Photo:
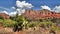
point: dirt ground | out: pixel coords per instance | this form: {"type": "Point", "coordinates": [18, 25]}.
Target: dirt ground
{"type": "Point", "coordinates": [29, 31]}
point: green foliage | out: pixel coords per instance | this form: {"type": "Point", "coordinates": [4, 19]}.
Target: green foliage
{"type": "Point", "coordinates": [1, 21]}
{"type": "Point", "coordinates": [32, 24]}
{"type": "Point", "coordinates": [41, 20]}
{"type": "Point", "coordinates": [46, 24]}
{"type": "Point", "coordinates": [25, 23]}
{"type": "Point", "coordinates": [21, 22]}
{"type": "Point", "coordinates": [9, 23]}
{"type": "Point", "coordinates": [53, 27]}
{"type": "Point", "coordinates": [55, 20]}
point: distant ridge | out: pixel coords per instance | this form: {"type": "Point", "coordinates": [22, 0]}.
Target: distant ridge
{"type": "Point", "coordinates": [6, 16]}
{"type": "Point", "coordinates": [41, 14]}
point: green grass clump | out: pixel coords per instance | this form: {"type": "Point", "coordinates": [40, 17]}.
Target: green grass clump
{"type": "Point", "coordinates": [9, 23]}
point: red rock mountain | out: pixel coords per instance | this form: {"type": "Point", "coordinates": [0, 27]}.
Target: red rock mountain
{"type": "Point", "coordinates": [41, 14]}
{"type": "Point", "coordinates": [4, 15]}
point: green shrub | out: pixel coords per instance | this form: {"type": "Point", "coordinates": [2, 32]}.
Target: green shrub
{"type": "Point", "coordinates": [53, 27]}
{"type": "Point", "coordinates": [32, 24]}
{"type": "Point", "coordinates": [1, 21]}
{"type": "Point", "coordinates": [9, 23]}
{"type": "Point", "coordinates": [21, 22]}
{"type": "Point", "coordinates": [46, 24]}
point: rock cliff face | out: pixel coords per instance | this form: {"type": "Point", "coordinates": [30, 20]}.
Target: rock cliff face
{"type": "Point", "coordinates": [4, 15]}
{"type": "Point", "coordinates": [41, 14]}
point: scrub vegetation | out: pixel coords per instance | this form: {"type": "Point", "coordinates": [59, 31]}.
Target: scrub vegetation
{"type": "Point", "coordinates": [20, 22]}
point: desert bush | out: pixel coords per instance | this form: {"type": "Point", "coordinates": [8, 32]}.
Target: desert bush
{"type": "Point", "coordinates": [46, 24]}
{"type": "Point", "coordinates": [21, 23]}
{"type": "Point", "coordinates": [41, 20]}
{"type": "Point", "coordinates": [53, 27]}
{"type": "Point", "coordinates": [32, 24]}
{"type": "Point", "coordinates": [1, 21]}
{"type": "Point", "coordinates": [9, 23]}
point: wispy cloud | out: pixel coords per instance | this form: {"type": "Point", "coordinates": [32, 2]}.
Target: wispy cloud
{"type": "Point", "coordinates": [22, 5]}
{"type": "Point", "coordinates": [13, 13]}
{"type": "Point", "coordinates": [4, 12]}
{"type": "Point", "coordinates": [5, 8]}
{"type": "Point", "coordinates": [13, 7]}
{"type": "Point", "coordinates": [57, 9]}
{"type": "Point", "coordinates": [45, 7]}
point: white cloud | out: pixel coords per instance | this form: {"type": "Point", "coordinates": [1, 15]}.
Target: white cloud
{"type": "Point", "coordinates": [4, 8]}
{"type": "Point", "coordinates": [13, 13]}
{"type": "Point", "coordinates": [45, 7]}
{"type": "Point", "coordinates": [13, 7]}
{"type": "Point", "coordinates": [4, 12]}
{"type": "Point", "coordinates": [20, 11]}
{"type": "Point", "coordinates": [22, 5]}
{"type": "Point", "coordinates": [57, 9]}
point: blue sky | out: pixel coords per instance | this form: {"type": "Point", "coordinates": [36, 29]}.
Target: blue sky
{"type": "Point", "coordinates": [36, 3]}
{"type": "Point", "coordinates": [50, 3]}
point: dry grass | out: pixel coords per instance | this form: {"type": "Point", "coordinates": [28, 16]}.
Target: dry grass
{"type": "Point", "coordinates": [6, 31]}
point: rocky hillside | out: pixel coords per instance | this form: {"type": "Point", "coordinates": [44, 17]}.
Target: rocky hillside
{"type": "Point", "coordinates": [41, 14]}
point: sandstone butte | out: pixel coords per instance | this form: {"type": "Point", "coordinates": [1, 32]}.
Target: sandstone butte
{"type": "Point", "coordinates": [37, 14]}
